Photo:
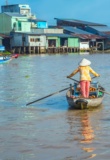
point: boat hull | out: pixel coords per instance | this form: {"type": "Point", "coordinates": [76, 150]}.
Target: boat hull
{"type": "Point", "coordinates": [83, 103]}
{"type": "Point", "coordinates": [4, 59]}
{"type": "Point", "coordinates": [15, 56]}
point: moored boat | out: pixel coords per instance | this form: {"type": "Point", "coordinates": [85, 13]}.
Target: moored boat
{"type": "Point", "coordinates": [75, 100]}
{"type": "Point", "coordinates": [16, 55]}
{"type": "Point", "coordinates": [4, 59]}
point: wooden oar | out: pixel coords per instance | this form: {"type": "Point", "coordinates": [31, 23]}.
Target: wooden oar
{"type": "Point", "coordinates": [104, 91]}
{"type": "Point", "coordinates": [48, 96]}
{"type": "Point", "coordinates": [74, 80]}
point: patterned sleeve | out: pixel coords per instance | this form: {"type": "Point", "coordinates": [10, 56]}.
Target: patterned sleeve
{"type": "Point", "coordinates": [74, 72]}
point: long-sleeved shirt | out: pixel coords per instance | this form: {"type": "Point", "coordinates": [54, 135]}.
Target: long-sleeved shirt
{"type": "Point", "coordinates": [84, 73]}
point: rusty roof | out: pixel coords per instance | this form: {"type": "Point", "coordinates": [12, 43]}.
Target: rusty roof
{"type": "Point", "coordinates": [81, 33]}
{"type": "Point", "coordinates": [107, 33]}
{"type": "Point", "coordinates": [88, 36]}
{"type": "Point", "coordinates": [4, 36]}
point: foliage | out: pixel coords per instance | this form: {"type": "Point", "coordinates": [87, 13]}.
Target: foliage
{"type": "Point", "coordinates": [5, 53]}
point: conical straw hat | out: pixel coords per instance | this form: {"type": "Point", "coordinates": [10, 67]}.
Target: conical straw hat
{"type": "Point", "coordinates": [84, 62]}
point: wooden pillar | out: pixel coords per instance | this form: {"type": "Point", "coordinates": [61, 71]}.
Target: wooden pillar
{"type": "Point", "coordinates": [19, 50]}
{"type": "Point", "coordinates": [34, 50]}
{"type": "Point", "coordinates": [24, 49]}
{"type": "Point", "coordinates": [29, 50]}
{"type": "Point", "coordinates": [13, 51]}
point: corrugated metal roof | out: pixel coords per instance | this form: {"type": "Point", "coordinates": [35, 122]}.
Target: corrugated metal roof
{"type": "Point", "coordinates": [75, 30]}
{"type": "Point", "coordinates": [81, 22]}
{"type": "Point", "coordinates": [4, 36]}
{"type": "Point", "coordinates": [14, 14]}
{"type": "Point", "coordinates": [101, 28]}
{"type": "Point", "coordinates": [82, 34]}
{"type": "Point", "coordinates": [108, 33]}
{"type": "Point", "coordinates": [91, 36]}
{"type": "Point", "coordinates": [59, 35]}
{"type": "Point", "coordinates": [62, 35]}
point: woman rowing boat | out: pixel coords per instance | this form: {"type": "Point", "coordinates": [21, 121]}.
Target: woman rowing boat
{"type": "Point", "coordinates": [84, 69]}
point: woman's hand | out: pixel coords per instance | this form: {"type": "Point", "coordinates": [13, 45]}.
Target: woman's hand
{"type": "Point", "coordinates": [68, 77]}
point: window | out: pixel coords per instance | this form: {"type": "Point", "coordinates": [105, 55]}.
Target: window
{"type": "Point", "coordinates": [14, 25]}
{"type": "Point", "coordinates": [32, 40]}
{"type": "Point", "coordinates": [37, 40]}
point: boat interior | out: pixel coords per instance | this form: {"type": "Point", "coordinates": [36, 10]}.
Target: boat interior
{"type": "Point", "coordinates": [94, 90]}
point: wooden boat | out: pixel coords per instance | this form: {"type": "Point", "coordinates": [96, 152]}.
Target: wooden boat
{"type": "Point", "coordinates": [15, 55]}
{"type": "Point", "coordinates": [4, 59]}
{"type": "Point", "coordinates": [75, 101]}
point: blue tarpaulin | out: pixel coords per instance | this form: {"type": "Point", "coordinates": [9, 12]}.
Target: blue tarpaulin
{"type": "Point", "coordinates": [2, 48]}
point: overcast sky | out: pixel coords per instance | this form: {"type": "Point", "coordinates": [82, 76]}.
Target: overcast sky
{"type": "Point", "coordinates": [88, 10]}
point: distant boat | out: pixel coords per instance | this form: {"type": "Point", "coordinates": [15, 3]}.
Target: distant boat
{"type": "Point", "coordinates": [4, 59]}
{"type": "Point", "coordinates": [15, 55]}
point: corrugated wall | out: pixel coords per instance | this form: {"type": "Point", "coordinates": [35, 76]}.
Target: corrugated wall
{"type": "Point", "coordinates": [73, 42]}
{"type": "Point", "coordinates": [5, 24]}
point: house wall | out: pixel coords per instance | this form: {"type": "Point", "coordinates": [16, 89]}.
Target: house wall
{"type": "Point", "coordinates": [10, 8]}
{"type": "Point", "coordinates": [73, 42]}
{"type": "Point", "coordinates": [106, 43]}
{"type": "Point", "coordinates": [84, 45]}
{"type": "Point", "coordinates": [20, 8]}
{"type": "Point", "coordinates": [20, 24]}
{"type": "Point", "coordinates": [8, 24]}
{"type": "Point", "coordinates": [48, 30]}
{"type": "Point", "coordinates": [59, 41]}
{"type": "Point", "coordinates": [25, 9]}
{"type": "Point", "coordinates": [37, 40]}
{"type": "Point", "coordinates": [41, 25]}
{"type": "Point", "coordinates": [16, 40]}
{"type": "Point", "coordinates": [0, 41]}
{"type": "Point", "coordinates": [25, 40]}
{"type": "Point", "coordinates": [5, 24]}
{"type": "Point", "coordinates": [25, 26]}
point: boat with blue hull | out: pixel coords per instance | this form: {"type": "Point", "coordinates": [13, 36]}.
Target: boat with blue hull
{"type": "Point", "coordinates": [4, 59]}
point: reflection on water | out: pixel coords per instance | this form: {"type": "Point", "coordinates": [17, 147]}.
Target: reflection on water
{"type": "Point", "coordinates": [87, 130]}
{"type": "Point", "coordinates": [87, 133]}
{"type": "Point", "coordinates": [47, 129]}
{"type": "Point", "coordinates": [82, 130]}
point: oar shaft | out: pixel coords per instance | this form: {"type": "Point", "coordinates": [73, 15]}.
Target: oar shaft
{"type": "Point", "coordinates": [47, 96]}
{"type": "Point", "coordinates": [104, 91]}
{"type": "Point", "coordinates": [74, 80]}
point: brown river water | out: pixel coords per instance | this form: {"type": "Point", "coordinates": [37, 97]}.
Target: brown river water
{"type": "Point", "coordinates": [48, 130]}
